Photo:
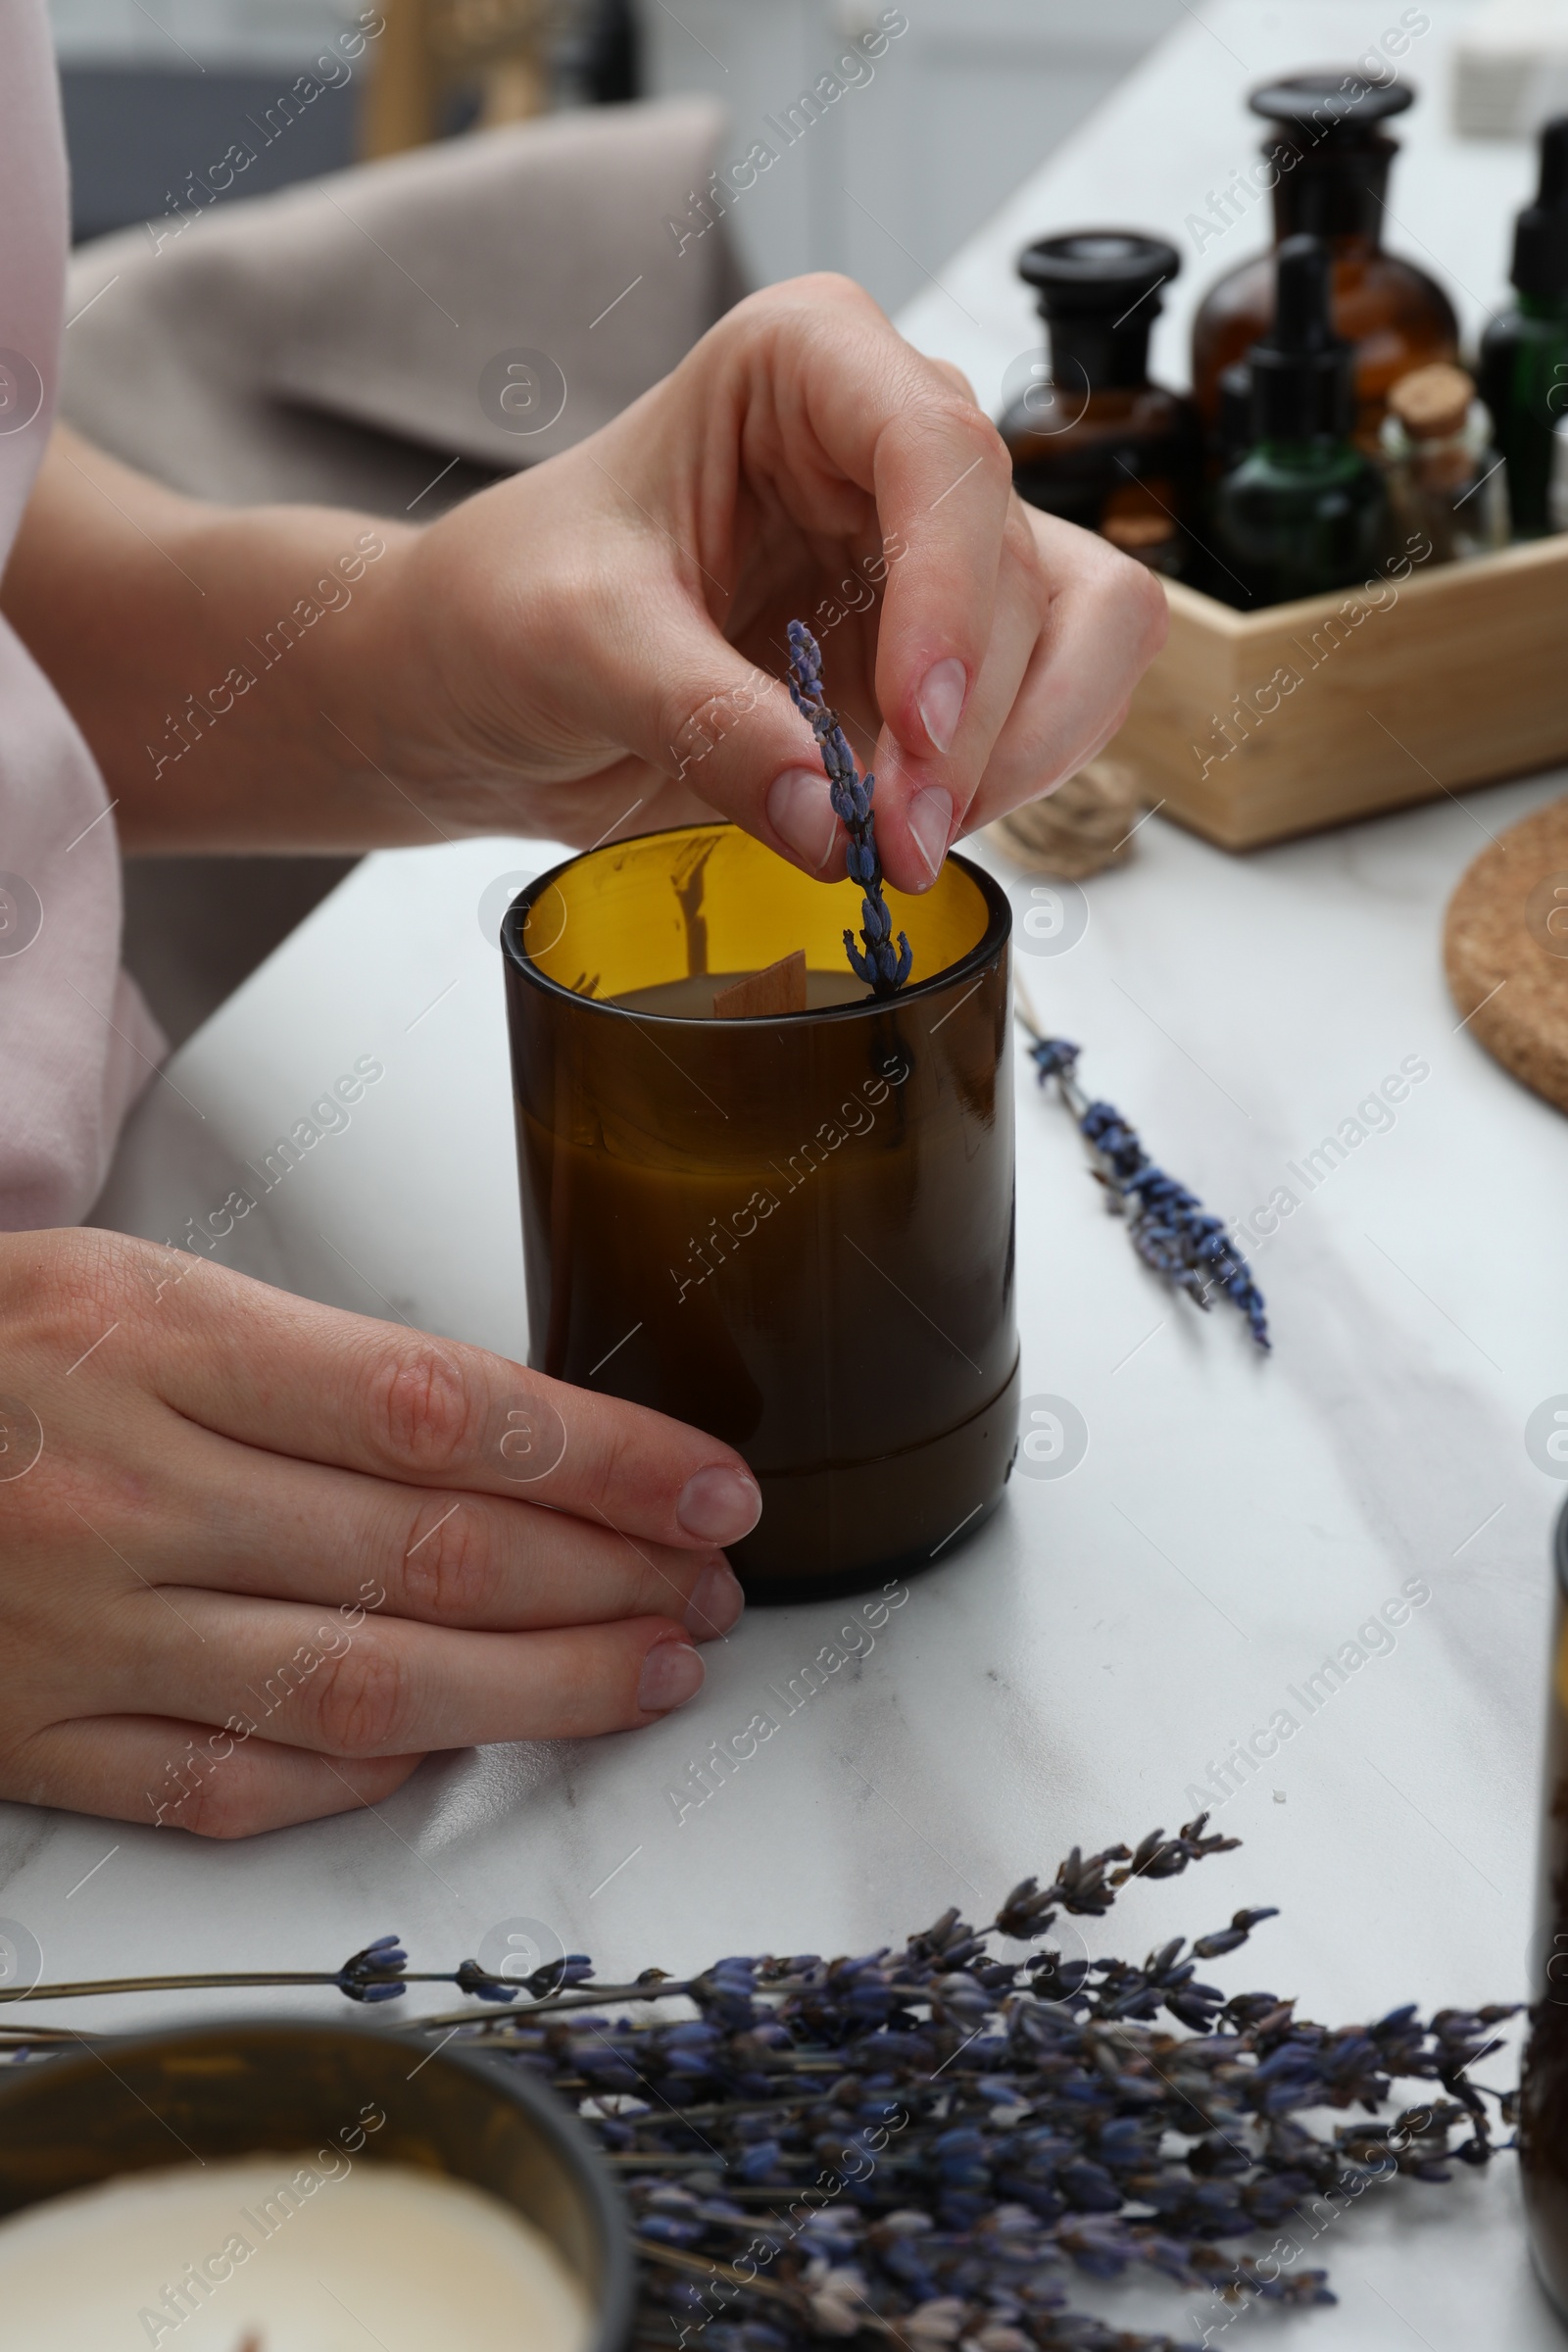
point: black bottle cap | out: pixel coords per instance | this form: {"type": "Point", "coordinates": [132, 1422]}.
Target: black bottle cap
{"type": "Point", "coordinates": [1303, 374]}
{"type": "Point", "coordinates": [1541, 233]}
{"type": "Point", "coordinates": [1336, 109]}
{"type": "Point", "coordinates": [1095, 269]}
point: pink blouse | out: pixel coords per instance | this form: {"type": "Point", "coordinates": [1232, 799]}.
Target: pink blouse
{"type": "Point", "coordinates": [76, 1042]}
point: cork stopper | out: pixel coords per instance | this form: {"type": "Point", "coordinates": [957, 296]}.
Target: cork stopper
{"type": "Point", "coordinates": [1136, 535]}
{"type": "Point", "coordinates": [1431, 403]}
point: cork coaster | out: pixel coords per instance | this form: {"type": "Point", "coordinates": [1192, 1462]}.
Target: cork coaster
{"type": "Point", "coordinates": [1506, 949]}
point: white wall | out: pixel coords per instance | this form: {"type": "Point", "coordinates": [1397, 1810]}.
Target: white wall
{"type": "Point", "coordinates": [894, 178]}
{"type": "Point", "coordinates": [898, 172]}
{"type": "Point", "coordinates": [192, 33]}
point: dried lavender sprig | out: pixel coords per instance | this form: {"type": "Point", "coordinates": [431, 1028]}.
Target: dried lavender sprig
{"type": "Point", "coordinates": [379, 1973]}
{"type": "Point", "coordinates": [1169, 1228]}
{"type": "Point", "coordinates": [883, 969]}
{"type": "Point", "coordinates": [381, 1967]}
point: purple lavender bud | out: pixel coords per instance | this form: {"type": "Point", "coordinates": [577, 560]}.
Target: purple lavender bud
{"type": "Point", "coordinates": [374, 1974]}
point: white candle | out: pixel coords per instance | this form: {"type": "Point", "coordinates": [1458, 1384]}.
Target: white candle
{"type": "Point", "coordinates": [285, 2253]}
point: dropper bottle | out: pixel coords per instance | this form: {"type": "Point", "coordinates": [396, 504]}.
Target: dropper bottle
{"type": "Point", "coordinates": [1303, 510]}
{"type": "Point", "coordinates": [1524, 354]}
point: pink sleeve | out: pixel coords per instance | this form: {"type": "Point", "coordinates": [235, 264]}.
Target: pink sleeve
{"type": "Point", "coordinates": [76, 1044]}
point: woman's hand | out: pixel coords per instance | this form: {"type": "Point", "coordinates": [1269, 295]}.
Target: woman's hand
{"type": "Point", "coordinates": [257, 1558]}
{"type": "Point", "coordinates": [594, 647]}
{"type": "Point", "coordinates": [598, 645]}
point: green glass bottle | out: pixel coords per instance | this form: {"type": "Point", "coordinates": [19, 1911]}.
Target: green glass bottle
{"type": "Point", "coordinates": [1524, 354]}
{"type": "Point", "coordinates": [1303, 510]}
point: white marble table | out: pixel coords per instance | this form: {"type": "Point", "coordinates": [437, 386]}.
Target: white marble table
{"type": "Point", "coordinates": [1077, 1670]}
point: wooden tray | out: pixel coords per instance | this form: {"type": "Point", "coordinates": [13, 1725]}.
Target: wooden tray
{"type": "Point", "coordinates": [1252, 726]}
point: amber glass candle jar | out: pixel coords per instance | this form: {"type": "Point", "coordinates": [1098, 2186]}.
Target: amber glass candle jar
{"type": "Point", "coordinates": [342, 2098]}
{"type": "Point", "coordinates": [1544, 2101]}
{"type": "Point", "coordinates": [794, 1231]}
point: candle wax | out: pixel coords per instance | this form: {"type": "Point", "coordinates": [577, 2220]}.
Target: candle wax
{"type": "Point", "coordinates": [288, 2252]}
{"type": "Point", "coordinates": [691, 998]}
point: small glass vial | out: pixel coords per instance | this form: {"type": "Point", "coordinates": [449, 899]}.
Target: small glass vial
{"type": "Point", "coordinates": [1094, 440]}
{"type": "Point", "coordinates": [1444, 477]}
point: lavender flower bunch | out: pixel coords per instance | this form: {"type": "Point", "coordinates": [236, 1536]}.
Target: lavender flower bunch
{"type": "Point", "coordinates": [1168, 1225]}
{"type": "Point", "coordinates": [926, 2142]}
{"type": "Point", "coordinates": [883, 969]}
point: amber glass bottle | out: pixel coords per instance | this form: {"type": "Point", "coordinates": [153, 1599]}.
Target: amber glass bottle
{"type": "Point", "coordinates": [1327, 161]}
{"type": "Point", "coordinates": [1544, 2094]}
{"type": "Point", "coordinates": [1094, 440]}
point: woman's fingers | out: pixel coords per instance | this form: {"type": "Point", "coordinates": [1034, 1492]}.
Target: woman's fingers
{"type": "Point", "coordinates": [282, 1373]}
{"type": "Point", "coordinates": [870, 409]}
{"type": "Point", "coordinates": [135, 1684]}
{"type": "Point", "coordinates": [944, 487]}
{"type": "Point", "coordinates": [725, 727]}
{"type": "Point", "coordinates": [171, 1774]}
{"type": "Point", "coordinates": [936, 796]}
{"type": "Point", "coordinates": [803, 460]}
{"type": "Point", "coordinates": [843, 437]}
{"type": "Point", "coordinates": [252, 1522]}
{"type": "Point", "coordinates": [1107, 618]}
{"type": "Point", "coordinates": [384, 1686]}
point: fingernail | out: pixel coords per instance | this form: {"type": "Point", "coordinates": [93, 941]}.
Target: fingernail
{"type": "Point", "coordinates": [931, 822]}
{"type": "Point", "coordinates": [941, 700]}
{"type": "Point", "coordinates": [716, 1604]}
{"type": "Point", "coordinates": [802, 815]}
{"type": "Point", "coordinates": [719, 1505]}
{"type": "Point", "coordinates": [672, 1673]}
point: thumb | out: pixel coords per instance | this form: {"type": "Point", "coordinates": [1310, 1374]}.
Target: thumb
{"type": "Point", "coordinates": [728, 731]}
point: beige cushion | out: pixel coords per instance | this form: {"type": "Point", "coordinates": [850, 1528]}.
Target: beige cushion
{"type": "Point", "coordinates": [295, 346]}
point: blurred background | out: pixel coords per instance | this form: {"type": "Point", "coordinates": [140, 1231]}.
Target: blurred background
{"type": "Point", "coordinates": [974, 96]}
{"type": "Point", "coordinates": [963, 104]}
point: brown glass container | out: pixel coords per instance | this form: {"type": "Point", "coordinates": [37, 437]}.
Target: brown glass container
{"type": "Point", "coordinates": [1327, 160]}
{"type": "Point", "coordinates": [239, 2087]}
{"type": "Point", "coordinates": [1543, 2098]}
{"type": "Point", "coordinates": [794, 1232]}
{"type": "Point", "coordinates": [1090, 438]}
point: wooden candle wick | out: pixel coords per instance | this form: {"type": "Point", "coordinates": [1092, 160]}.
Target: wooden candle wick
{"type": "Point", "coordinates": [781, 988]}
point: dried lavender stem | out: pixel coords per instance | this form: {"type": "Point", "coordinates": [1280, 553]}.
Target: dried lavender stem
{"type": "Point", "coordinates": [1169, 1227]}
{"type": "Point", "coordinates": [883, 971]}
